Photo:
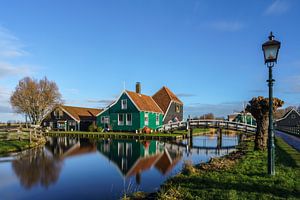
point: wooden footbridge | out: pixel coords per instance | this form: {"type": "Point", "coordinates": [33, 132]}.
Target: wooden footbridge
{"type": "Point", "coordinates": [191, 124]}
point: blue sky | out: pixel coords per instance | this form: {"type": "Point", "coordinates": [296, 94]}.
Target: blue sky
{"type": "Point", "coordinates": [207, 52]}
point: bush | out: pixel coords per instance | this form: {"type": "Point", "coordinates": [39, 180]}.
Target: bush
{"type": "Point", "coordinates": [92, 128]}
{"type": "Point", "coordinates": [99, 129]}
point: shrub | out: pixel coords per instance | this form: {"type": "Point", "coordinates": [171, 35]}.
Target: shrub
{"type": "Point", "coordinates": [92, 128]}
{"type": "Point", "coordinates": [99, 129]}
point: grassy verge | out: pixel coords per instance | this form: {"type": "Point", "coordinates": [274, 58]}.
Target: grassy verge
{"type": "Point", "coordinates": [14, 142]}
{"type": "Point", "coordinates": [241, 175]}
{"type": "Point", "coordinates": [175, 133]}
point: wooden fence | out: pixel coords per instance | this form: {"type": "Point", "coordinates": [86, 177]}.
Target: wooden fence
{"type": "Point", "coordinates": [295, 130]}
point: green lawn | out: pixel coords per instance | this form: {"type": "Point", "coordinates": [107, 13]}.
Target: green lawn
{"type": "Point", "coordinates": [14, 142]}
{"type": "Point", "coordinates": [239, 176]}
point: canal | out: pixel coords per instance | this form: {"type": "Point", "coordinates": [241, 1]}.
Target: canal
{"type": "Point", "coordinates": [73, 168]}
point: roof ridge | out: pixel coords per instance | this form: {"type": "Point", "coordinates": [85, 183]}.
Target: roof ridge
{"type": "Point", "coordinates": [81, 107]}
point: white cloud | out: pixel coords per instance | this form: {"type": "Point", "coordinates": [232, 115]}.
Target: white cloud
{"type": "Point", "coordinates": [227, 26]}
{"type": "Point", "coordinates": [7, 69]}
{"type": "Point", "coordinates": [10, 45]}
{"type": "Point", "coordinates": [277, 7]}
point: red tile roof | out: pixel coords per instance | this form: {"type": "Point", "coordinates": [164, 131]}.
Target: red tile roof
{"type": "Point", "coordinates": [144, 102]}
{"type": "Point", "coordinates": [142, 164]}
{"type": "Point", "coordinates": [164, 96]}
{"type": "Point", "coordinates": [79, 112]}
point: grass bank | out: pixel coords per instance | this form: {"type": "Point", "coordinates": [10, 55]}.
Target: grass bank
{"type": "Point", "coordinates": [15, 142]}
{"type": "Point", "coordinates": [241, 175]}
{"type": "Point", "coordinates": [175, 134]}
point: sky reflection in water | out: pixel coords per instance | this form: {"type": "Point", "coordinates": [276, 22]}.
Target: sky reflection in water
{"type": "Point", "coordinates": [102, 169]}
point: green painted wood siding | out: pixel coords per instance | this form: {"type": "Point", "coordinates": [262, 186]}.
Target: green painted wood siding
{"type": "Point", "coordinates": [152, 120]}
{"type": "Point", "coordinates": [138, 118]}
{"type": "Point", "coordinates": [117, 109]}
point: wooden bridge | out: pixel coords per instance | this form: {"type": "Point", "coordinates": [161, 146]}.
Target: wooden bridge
{"type": "Point", "coordinates": [206, 123]}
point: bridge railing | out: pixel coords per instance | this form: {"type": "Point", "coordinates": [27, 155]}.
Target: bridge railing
{"type": "Point", "coordinates": [222, 124]}
{"type": "Point", "coordinates": [192, 123]}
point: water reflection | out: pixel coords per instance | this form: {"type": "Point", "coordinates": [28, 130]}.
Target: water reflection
{"type": "Point", "coordinates": [64, 147]}
{"type": "Point", "coordinates": [37, 167]}
{"type": "Point", "coordinates": [73, 165]}
{"type": "Point", "coordinates": [133, 157]}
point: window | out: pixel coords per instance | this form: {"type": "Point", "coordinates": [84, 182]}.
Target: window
{"type": "Point", "coordinates": [146, 119]}
{"type": "Point", "coordinates": [61, 125]}
{"type": "Point", "coordinates": [120, 149]}
{"type": "Point", "coordinates": [129, 119]}
{"type": "Point", "coordinates": [177, 108]}
{"type": "Point", "coordinates": [124, 104]}
{"type": "Point", "coordinates": [157, 119]}
{"type": "Point", "coordinates": [72, 123]}
{"type": "Point", "coordinates": [58, 114]}
{"type": "Point", "coordinates": [293, 116]}
{"type": "Point", "coordinates": [120, 119]}
{"type": "Point", "coordinates": [106, 119]}
{"type": "Point", "coordinates": [128, 149]}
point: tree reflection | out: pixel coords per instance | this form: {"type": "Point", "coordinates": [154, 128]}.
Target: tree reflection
{"type": "Point", "coordinates": [37, 167]}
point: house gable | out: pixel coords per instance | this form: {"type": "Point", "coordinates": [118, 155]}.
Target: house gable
{"type": "Point", "coordinates": [291, 118]}
{"type": "Point", "coordinates": [170, 104]}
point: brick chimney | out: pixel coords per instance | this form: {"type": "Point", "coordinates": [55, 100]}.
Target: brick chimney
{"type": "Point", "coordinates": [138, 87]}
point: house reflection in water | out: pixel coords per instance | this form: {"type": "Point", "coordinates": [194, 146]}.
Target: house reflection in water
{"type": "Point", "coordinates": [63, 147]}
{"type": "Point", "coordinates": [134, 157]}
{"type": "Point", "coordinates": [42, 166]}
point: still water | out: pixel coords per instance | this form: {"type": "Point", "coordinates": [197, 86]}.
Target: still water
{"type": "Point", "coordinates": [72, 168]}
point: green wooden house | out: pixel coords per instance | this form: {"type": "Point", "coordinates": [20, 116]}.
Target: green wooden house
{"type": "Point", "coordinates": [132, 111]}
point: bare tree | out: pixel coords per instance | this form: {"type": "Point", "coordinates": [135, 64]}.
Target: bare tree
{"type": "Point", "coordinates": [259, 108]}
{"type": "Point", "coordinates": [207, 116]}
{"type": "Point", "coordinates": [35, 98]}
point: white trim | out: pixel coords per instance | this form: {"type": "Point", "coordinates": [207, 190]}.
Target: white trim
{"type": "Point", "coordinates": [147, 119]}
{"type": "Point", "coordinates": [121, 124]}
{"type": "Point", "coordinates": [158, 106]}
{"type": "Point", "coordinates": [288, 113]}
{"type": "Point", "coordinates": [144, 110]}
{"type": "Point", "coordinates": [157, 117]}
{"type": "Point", "coordinates": [127, 124]}
{"type": "Point", "coordinates": [132, 101]}
{"type": "Point", "coordinates": [167, 110]}
{"type": "Point", "coordinates": [69, 114]}
{"type": "Point", "coordinates": [56, 107]}
{"type": "Point", "coordinates": [125, 91]}
{"type": "Point", "coordinates": [159, 155]}
{"type": "Point", "coordinates": [124, 105]}
{"type": "Point", "coordinates": [109, 106]}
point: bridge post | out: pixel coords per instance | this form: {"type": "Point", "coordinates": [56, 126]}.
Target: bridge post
{"type": "Point", "coordinates": [219, 144]}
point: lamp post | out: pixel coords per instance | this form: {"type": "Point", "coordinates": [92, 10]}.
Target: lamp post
{"type": "Point", "coordinates": [270, 49]}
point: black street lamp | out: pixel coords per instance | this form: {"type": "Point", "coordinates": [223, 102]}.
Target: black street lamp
{"type": "Point", "coordinates": [270, 49]}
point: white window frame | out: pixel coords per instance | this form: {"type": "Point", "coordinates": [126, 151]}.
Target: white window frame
{"type": "Point", "coordinates": [124, 104]}
{"type": "Point", "coordinates": [129, 123]}
{"type": "Point", "coordinates": [157, 119]}
{"type": "Point", "coordinates": [102, 119]}
{"type": "Point", "coordinates": [106, 120]}
{"type": "Point", "coordinates": [120, 123]}
{"type": "Point", "coordinates": [146, 116]}
{"type": "Point", "coordinates": [177, 108]}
